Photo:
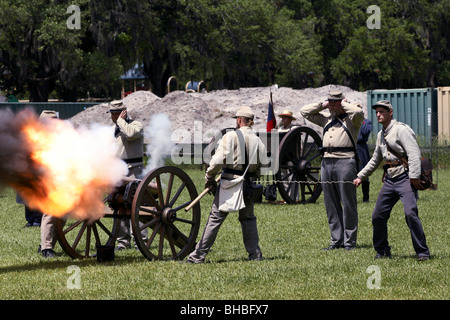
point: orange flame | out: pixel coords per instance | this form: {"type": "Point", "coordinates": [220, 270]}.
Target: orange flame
{"type": "Point", "coordinates": [76, 167]}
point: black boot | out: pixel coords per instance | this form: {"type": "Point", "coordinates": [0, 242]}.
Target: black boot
{"type": "Point", "coordinates": [365, 190]}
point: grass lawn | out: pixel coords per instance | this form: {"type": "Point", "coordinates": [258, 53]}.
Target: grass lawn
{"type": "Point", "coordinates": [291, 238]}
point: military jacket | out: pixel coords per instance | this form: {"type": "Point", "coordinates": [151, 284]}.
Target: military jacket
{"type": "Point", "coordinates": [130, 141]}
{"type": "Point", "coordinates": [336, 136]}
{"type": "Point", "coordinates": [402, 140]}
{"type": "Point", "coordinates": [230, 155]}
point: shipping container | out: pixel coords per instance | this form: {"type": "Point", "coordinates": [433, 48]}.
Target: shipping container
{"type": "Point", "coordinates": [443, 106]}
{"type": "Point", "coordinates": [415, 107]}
{"type": "Point", "coordinates": [65, 110]}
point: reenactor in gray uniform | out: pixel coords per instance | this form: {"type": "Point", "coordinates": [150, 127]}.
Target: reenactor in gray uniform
{"type": "Point", "coordinates": [129, 136]}
{"type": "Point", "coordinates": [339, 165]}
{"type": "Point", "coordinates": [395, 142]}
{"type": "Point", "coordinates": [231, 160]}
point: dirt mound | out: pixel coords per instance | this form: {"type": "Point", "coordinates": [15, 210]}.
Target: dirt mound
{"type": "Point", "coordinates": [214, 110]}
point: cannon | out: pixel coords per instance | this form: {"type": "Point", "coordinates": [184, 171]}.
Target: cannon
{"type": "Point", "coordinates": [299, 159]}
{"type": "Point", "coordinates": [155, 203]}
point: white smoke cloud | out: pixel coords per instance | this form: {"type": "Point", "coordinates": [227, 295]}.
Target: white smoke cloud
{"type": "Point", "coordinates": [158, 132]}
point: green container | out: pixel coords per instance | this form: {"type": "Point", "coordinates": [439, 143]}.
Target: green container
{"type": "Point", "coordinates": [415, 107]}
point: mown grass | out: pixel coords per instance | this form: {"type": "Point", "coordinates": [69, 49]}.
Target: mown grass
{"type": "Point", "coordinates": [291, 238]}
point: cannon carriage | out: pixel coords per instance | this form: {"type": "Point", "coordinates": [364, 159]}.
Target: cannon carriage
{"type": "Point", "coordinates": [155, 204]}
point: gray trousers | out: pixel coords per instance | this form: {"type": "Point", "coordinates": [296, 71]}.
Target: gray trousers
{"type": "Point", "coordinates": [394, 189]}
{"type": "Point", "coordinates": [340, 200]}
{"type": "Point", "coordinates": [215, 220]}
{"type": "Point", "coordinates": [124, 234]}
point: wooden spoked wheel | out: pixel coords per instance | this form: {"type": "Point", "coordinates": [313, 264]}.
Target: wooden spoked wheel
{"type": "Point", "coordinates": [162, 229]}
{"type": "Point", "coordinates": [80, 238]}
{"type": "Point", "coordinates": [299, 166]}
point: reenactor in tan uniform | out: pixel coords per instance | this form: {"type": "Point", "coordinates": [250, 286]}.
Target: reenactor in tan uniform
{"type": "Point", "coordinates": [231, 159]}
{"type": "Point", "coordinates": [129, 136]}
{"type": "Point", "coordinates": [287, 116]}
{"type": "Point", "coordinates": [339, 165]}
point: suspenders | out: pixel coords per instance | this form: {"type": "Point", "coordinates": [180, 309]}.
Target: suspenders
{"type": "Point", "coordinates": [342, 149]}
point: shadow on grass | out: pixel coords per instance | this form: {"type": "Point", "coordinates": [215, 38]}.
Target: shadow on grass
{"type": "Point", "coordinates": [246, 259]}
{"type": "Point", "coordinates": [55, 263]}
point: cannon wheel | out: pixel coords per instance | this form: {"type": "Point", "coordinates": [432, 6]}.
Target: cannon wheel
{"type": "Point", "coordinates": [79, 238]}
{"type": "Point", "coordinates": [158, 208]}
{"type": "Point", "coordinates": [299, 166]}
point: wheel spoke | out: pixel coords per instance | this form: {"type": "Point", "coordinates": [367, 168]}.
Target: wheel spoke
{"type": "Point", "coordinates": [184, 220]}
{"type": "Point", "coordinates": [161, 242]}
{"type": "Point", "coordinates": [102, 226]}
{"type": "Point", "coordinates": [152, 211]}
{"type": "Point", "coordinates": [80, 234]}
{"type": "Point", "coordinates": [169, 189]}
{"type": "Point", "coordinates": [171, 242]}
{"type": "Point", "coordinates": [159, 188]}
{"type": "Point", "coordinates": [88, 241]}
{"type": "Point", "coordinates": [177, 194]}
{"type": "Point", "coordinates": [96, 234]}
{"type": "Point", "coordinates": [153, 200]}
{"type": "Point", "coordinates": [73, 226]}
{"type": "Point", "coordinates": [182, 206]}
{"type": "Point", "coordinates": [148, 224]}
{"type": "Point", "coordinates": [152, 237]}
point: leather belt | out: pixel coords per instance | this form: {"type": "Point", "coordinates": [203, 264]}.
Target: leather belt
{"type": "Point", "coordinates": [133, 160]}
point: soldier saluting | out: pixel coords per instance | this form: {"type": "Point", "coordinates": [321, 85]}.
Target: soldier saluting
{"type": "Point", "coordinates": [339, 164]}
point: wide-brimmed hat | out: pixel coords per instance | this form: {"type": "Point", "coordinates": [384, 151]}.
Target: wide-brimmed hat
{"type": "Point", "coordinates": [245, 112]}
{"type": "Point", "coordinates": [48, 114]}
{"type": "Point", "coordinates": [117, 106]}
{"type": "Point", "coordinates": [383, 103]}
{"type": "Point", "coordinates": [335, 96]}
{"type": "Point", "coordinates": [287, 113]}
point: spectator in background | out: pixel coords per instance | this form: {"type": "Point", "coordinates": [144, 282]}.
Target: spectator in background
{"type": "Point", "coordinates": [286, 120]}
{"type": "Point", "coordinates": [363, 154]}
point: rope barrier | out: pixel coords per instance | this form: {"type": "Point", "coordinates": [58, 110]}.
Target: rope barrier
{"type": "Point", "coordinates": [306, 182]}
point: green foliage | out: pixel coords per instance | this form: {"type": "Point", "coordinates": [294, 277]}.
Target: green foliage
{"type": "Point", "coordinates": [227, 43]}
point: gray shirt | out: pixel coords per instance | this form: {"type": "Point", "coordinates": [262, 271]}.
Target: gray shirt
{"type": "Point", "coordinates": [401, 139]}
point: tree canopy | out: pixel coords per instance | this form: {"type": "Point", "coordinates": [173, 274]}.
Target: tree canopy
{"type": "Point", "coordinates": [227, 43]}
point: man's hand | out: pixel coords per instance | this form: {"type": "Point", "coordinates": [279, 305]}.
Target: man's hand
{"type": "Point", "coordinates": [357, 181]}
{"type": "Point", "coordinates": [123, 114]}
{"type": "Point", "coordinates": [211, 184]}
{"type": "Point", "coordinates": [416, 183]}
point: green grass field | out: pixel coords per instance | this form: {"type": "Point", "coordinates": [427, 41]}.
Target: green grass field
{"type": "Point", "coordinates": [295, 267]}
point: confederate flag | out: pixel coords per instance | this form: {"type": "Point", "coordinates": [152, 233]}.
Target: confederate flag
{"type": "Point", "coordinates": [271, 121]}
